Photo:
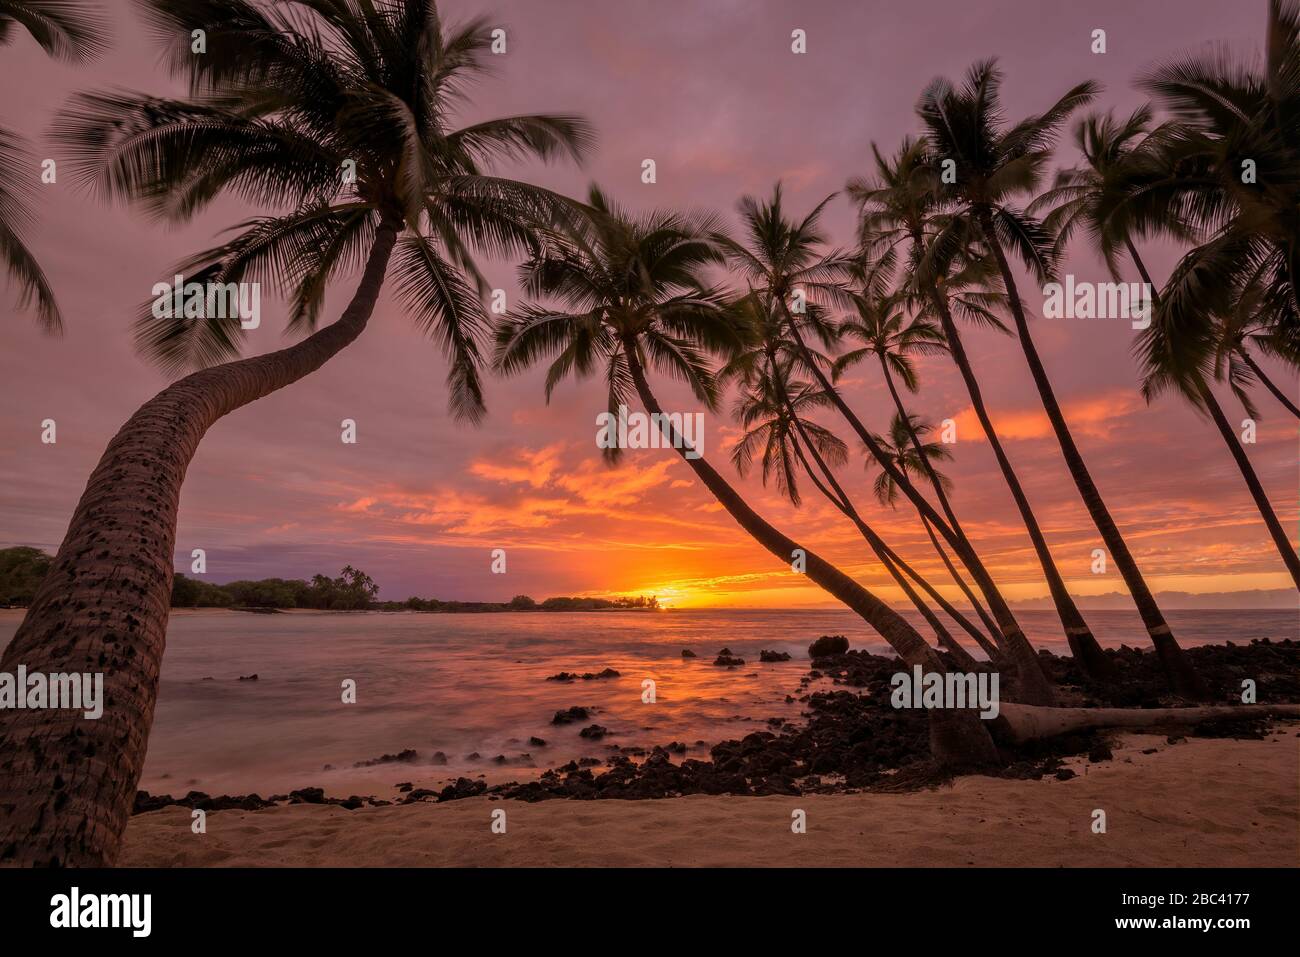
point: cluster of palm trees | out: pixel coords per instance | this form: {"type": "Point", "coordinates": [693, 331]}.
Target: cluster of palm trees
{"type": "Point", "coordinates": [290, 94]}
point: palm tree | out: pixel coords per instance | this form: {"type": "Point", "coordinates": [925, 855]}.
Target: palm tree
{"type": "Point", "coordinates": [66, 30]}
{"type": "Point", "coordinates": [1232, 176]}
{"type": "Point", "coordinates": [773, 410]}
{"type": "Point", "coordinates": [1245, 329]}
{"type": "Point", "coordinates": [906, 447]}
{"type": "Point", "coordinates": [1114, 194]}
{"type": "Point", "coordinates": [782, 257]}
{"type": "Point", "coordinates": [631, 296]}
{"type": "Point", "coordinates": [891, 339]}
{"type": "Point", "coordinates": [995, 164]}
{"type": "Point", "coordinates": [900, 205]}
{"type": "Point", "coordinates": [280, 101]}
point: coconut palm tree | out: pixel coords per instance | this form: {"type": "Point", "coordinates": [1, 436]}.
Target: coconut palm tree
{"type": "Point", "coordinates": [995, 164]}
{"type": "Point", "coordinates": [1170, 365]}
{"type": "Point", "coordinates": [1115, 193]}
{"type": "Point", "coordinates": [783, 260]}
{"type": "Point", "coordinates": [891, 339]}
{"type": "Point", "coordinates": [900, 208]}
{"type": "Point", "coordinates": [286, 106]}
{"type": "Point", "coordinates": [66, 30]}
{"type": "Point", "coordinates": [762, 365]}
{"type": "Point", "coordinates": [773, 409]}
{"type": "Point", "coordinates": [630, 297]}
{"type": "Point", "coordinates": [1232, 174]}
{"type": "Point", "coordinates": [906, 447]}
{"type": "Point", "coordinates": [1238, 333]}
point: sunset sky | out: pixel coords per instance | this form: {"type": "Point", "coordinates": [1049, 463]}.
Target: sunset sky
{"type": "Point", "coordinates": [712, 92]}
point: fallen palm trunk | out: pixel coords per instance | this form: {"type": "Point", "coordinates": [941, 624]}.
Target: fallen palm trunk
{"type": "Point", "coordinates": [1024, 722]}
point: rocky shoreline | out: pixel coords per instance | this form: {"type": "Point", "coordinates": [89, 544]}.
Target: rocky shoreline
{"type": "Point", "coordinates": [850, 740]}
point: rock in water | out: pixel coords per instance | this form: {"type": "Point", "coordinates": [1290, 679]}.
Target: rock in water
{"type": "Point", "coordinates": [828, 645]}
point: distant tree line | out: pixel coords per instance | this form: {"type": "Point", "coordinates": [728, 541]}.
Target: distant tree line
{"type": "Point", "coordinates": [352, 590]}
{"type": "Point", "coordinates": [22, 568]}
{"type": "Point", "coordinates": [525, 603]}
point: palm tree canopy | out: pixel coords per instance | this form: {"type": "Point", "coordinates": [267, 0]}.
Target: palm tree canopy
{"type": "Point", "coordinates": [768, 340]}
{"type": "Point", "coordinates": [1117, 193]}
{"type": "Point", "coordinates": [343, 113]}
{"type": "Point", "coordinates": [899, 449]}
{"type": "Point", "coordinates": [15, 219]}
{"type": "Point", "coordinates": [995, 164]}
{"type": "Point", "coordinates": [780, 255]}
{"type": "Point", "coordinates": [622, 281]}
{"type": "Point", "coordinates": [888, 336]}
{"type": "Point", "coordinates": [906, 238]}
{"type": "Point", "coordinates": [65, 29]}
{"type": "Point", "coordinates": [771, 430]}
{"type": "Point", "coordinates": [1234, 175]}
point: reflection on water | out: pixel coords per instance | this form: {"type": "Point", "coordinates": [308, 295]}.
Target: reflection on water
{"type": "Point", "coordinates": [463, 684]}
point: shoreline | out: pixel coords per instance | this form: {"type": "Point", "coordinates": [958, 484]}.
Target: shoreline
{"type": "Point", "coordinates": [848, 738]}
{"type": "Point", "coordinates": [1199, 802]}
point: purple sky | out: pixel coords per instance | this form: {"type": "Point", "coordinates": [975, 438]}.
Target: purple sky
{"type": "Point", "coordinates": [711, 91]}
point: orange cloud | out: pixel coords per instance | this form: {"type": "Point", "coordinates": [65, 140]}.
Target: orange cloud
{"type": "Point", "coordinates": [1096, 417]}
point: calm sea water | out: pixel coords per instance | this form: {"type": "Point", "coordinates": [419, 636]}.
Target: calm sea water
{"type": "Point", "coordinates": [463, 684]}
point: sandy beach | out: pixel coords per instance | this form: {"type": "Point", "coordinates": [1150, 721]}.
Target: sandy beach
{"type": "Point", "coordinates": [1199, 802]}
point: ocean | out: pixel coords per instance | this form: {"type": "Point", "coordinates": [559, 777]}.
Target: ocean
{"type": "Point", "coordinates": [475, 684]}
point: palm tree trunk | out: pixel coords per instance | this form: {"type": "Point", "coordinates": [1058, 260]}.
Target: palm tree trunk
{"type": "Point", "coordinates": [887, 556]}
{"type": "Point", "coordinates": [1034, 686]}
{"type": "Point", "coordinates": [942, 552]}
{"type": "Point", "coordinates": [957, 736]}
{"type": "Point", "coordinates": [1284, 546]}
{"type": "Point", "coordinates": [943, 503]}
{"type": "Point", "coordinates": [989, 648]}
{"type": "Point", "coordinates": [67, 784]}
{"type": "Point", "coordinates": [893, 563]}
{"type": "Point", "coordinates": [1083, 645]}
{"type": "Point", "coordinates": [1178, 672]}
{"type": "Point", "coordinates": [1268, 383]}
{"type": "Point", "coordinates": [1026, 723]}
{"type": "Point", "coordinates": [840, 499]}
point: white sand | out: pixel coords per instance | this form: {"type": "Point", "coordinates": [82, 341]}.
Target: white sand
{"type": "Point", "coordinates": [1196, 803]}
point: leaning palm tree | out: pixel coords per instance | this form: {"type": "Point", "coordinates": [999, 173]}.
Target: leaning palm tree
{"type": "Point", "coordinates": [891, 339]}
{"type": "Point", "coordinates": [1242, 331]}
{"type": "Point", "coordinates": [66, 30]}
{"type": "Point", "coordinates": [905, 445]}
{"type": "Point", "coordinates": [284, 103]}
{"type": "Point", "coordinates": [630, 298]}
{"type": "Point", "coordinates": [995, 164]}
{"type": "Point", "coordinates": [773, 409]}
{"type": "Point", "coordinates": [1232, 175]}
{"type": "Point", "coordinates": [1170, 364]}
{"type": "Point", "coordinates": [900, 206]}
{"type": "Point", "coordinates": [1115, 193]}
{"type": "Point", "coordinates": [781, 257]}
